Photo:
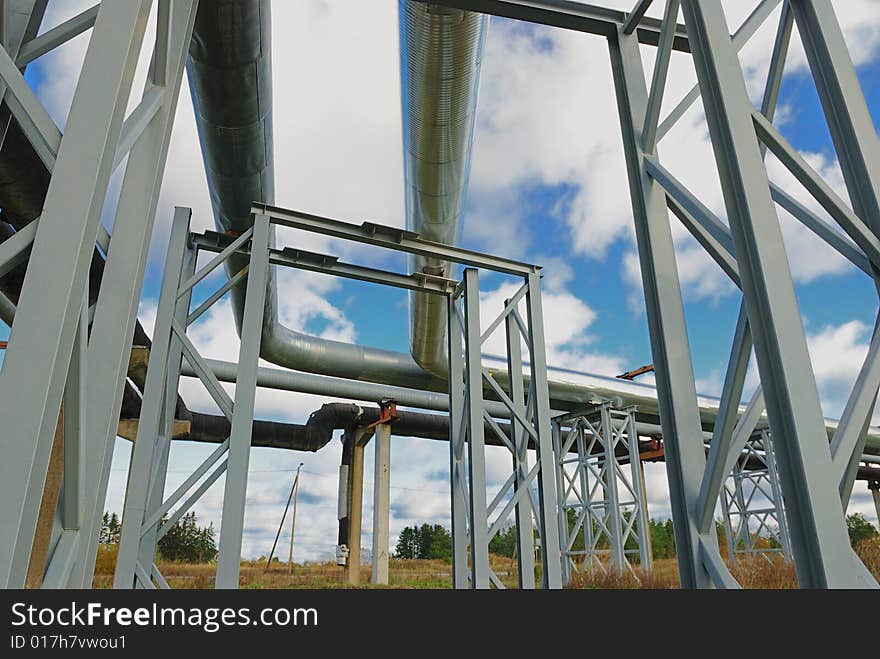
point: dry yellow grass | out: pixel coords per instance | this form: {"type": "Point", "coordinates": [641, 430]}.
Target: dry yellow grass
{"type": "Point", "coordinates": [752, 573]}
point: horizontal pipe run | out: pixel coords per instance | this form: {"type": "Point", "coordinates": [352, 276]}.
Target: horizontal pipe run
{"type": "Point", "coordinates": [592, 389]}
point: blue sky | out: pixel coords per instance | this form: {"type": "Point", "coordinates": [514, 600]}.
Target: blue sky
{"type": "Point", "coordinates": [547, 186]}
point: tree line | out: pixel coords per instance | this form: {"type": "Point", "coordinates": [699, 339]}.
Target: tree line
{"type": "Point", "coordinates": [435, 542]}
{"type": "Point", "coordinates": [184, 542]}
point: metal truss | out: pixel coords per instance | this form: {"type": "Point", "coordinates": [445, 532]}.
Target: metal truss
{"type": "Point", "coordinates": [600, 479]}
{"type": "Point", "coordinates": [816, 479]}
{"type": "Point", "coordinates": [51, 354]}
{"type": "Point", "coordinates": [751, 501]}
{"type": "Point", "coordinates": [148, 513]}
{"type": "Point", "coordinates": [751, 250]}
{"type": "Point", "coordinates": [530, 490]}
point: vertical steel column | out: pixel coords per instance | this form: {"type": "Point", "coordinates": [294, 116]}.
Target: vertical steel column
{"type": "Point", "coordinates": [478, 522]}
{"type": "Point", "coordinates": [381, 503]}
{"type": "Point", "coordinates": [159, 472]}
{"type": "Point", "coordinates": [588, 531]}
{"type": "Point", "coordinates": [613, 511]}
{"type": "Point", "coordinates": [646, 555]}
{"type": "Point", "coordinates": [141, 469]}
{"type": "Point", "coordinates": [858, 150]}
{"type": "Point", "coordinates": [65, 528]}
{"type": "Point", "coordinates": [116, 309]}
{"type": "Point", "coordinates": [36, 363]}
{"type": "Point", "coordinates": [457, 440]}
{"type": "Point", "coordinates": [525, 542]}
{"type": "Point", "coordinates": [755, 496]}
{"type": "Point", "coordinates": [676, 392]}
{"type": "Point", "coordinates": [550, 552]}
{"type": "Point", "coordinates": [561, 510]}
{"type": "Point", "coordinates": [820, 546]}
{"type": "Point", "coordinates": [235, 492]}
{"type": "Point", "coordinates": [776, 488]}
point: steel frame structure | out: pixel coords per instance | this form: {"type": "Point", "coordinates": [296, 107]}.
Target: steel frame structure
{"type": "Point", "coordinates": [475, 521]}
{"type": "Point", "coordinates": [51, 357]}
{"type": "Point", "coordinates": [816, 479]}
{"type": "Point", "coordinates": [148, 513]}
{"type": "Point", "coordinates": [751, 503]}
{"type": "Point", "coordinates": [600, 478]}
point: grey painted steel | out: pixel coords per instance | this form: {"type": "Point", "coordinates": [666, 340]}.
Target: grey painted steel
{"type": "Point", "coordinates": [235, 493]}
{"type": "Point", "coordinates": [58, 35]}
{"type": "Point", "coordinates": [35, 122]}
{"type": "Point", "coordinates": [20, 25]}
{"type": "Point", "coordinates": [819, 541]}
{"type": "Point", "coordinates": [636, 15]}
{"type": "Point", "coordinates": [661, 70]}
{"type": "Point", "coordinates": [16, 249]}
{"type": "Point", "coordinates": [36, 363]}
{"type": "Point", "coordinates": [816, 185]}
{"type": "Point", "coordinates": [75, 424]}
{"type": "Point", "coordinates": [639, 493]}
{"type": "Point", "coordinates": [740, 38]}
{"type": "Point", "coordinates": [457, 440]}
{"type": "Point", "coordinates": [579, 16]}
{"type": "Point", "coordinates": [116, 310]}
{"type": "Point", "coordinates": [825, 230]}
{"type": "Point", "coordinates": [381, 504]}
{"type": "Point", "coordinates": [849, 439]}
{"type": "Point", "coordinates": [676, 392]}
{"type": "Point", "coordinates": [751, 503]}
{"type": "Point", "coordinates": [441, 51]}
{"type": "Point", "coordinates": [561, 513]}
{"type": "Point", "coordinates": [858, 149]}
{"type": "Point", "coordinates": [525, 534]}
{"type": "Point", "coordinates": [540, 400]}
{"type": "Point", "coordinates": [530, 423]}
{"type": "Point", "coordinates": [603, 486]}
{"type": "Point", "coordinates": [725, 424]}
{"type": "Point", "coordinates": [476, 447]}
{"type": "Point", "coordinates": [61, 555]}
{"type": "Point", "coordinates": [612, 492]}
{"type": "Point", "coordinates": [142, 468]}
{"type": "Point", "coordinates": [149, 532]}
{"type": "Point", "coordinates": [370, 233]}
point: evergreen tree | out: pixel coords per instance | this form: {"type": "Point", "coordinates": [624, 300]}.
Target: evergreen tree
{"type": "Point", "coordinates": [408, 543]}
{"type": "Point", "coordinates": [441, 544]}
{"type": "Point", "coordinates": [504, 542]}
{"type": "Point", "coordinates": [187, 542]}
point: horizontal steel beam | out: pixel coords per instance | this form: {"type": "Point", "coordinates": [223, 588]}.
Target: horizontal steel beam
{"type": "Point", "coordinates": [330, 265]}
{"type": "Point", "coordinates": [577, 16]}
{"type": "Point", "coordinates": [394, 238]}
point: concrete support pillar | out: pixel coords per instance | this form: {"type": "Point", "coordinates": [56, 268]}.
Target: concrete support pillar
{"type": "Point", "coordinates": [381, 503]}
{"type": "Point", "coordinates": [355, 509]}
{"type": "Point", "coordinates": [874, 486]}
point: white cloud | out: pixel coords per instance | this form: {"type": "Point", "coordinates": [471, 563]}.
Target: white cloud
{"type": "Point", "coordinates": [566, 321]}
{"type": "Point", "coordinates": [547, 117]}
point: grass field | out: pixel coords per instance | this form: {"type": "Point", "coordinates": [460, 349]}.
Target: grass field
{"type": "Point", "coordinates": [751, 573]}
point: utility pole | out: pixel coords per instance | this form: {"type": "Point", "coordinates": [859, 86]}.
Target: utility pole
{"type": "Point", "coordinates": [293, 491]}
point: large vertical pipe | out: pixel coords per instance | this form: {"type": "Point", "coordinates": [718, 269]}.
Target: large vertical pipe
{"type": "Point", "coordinates": [441, 51]}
